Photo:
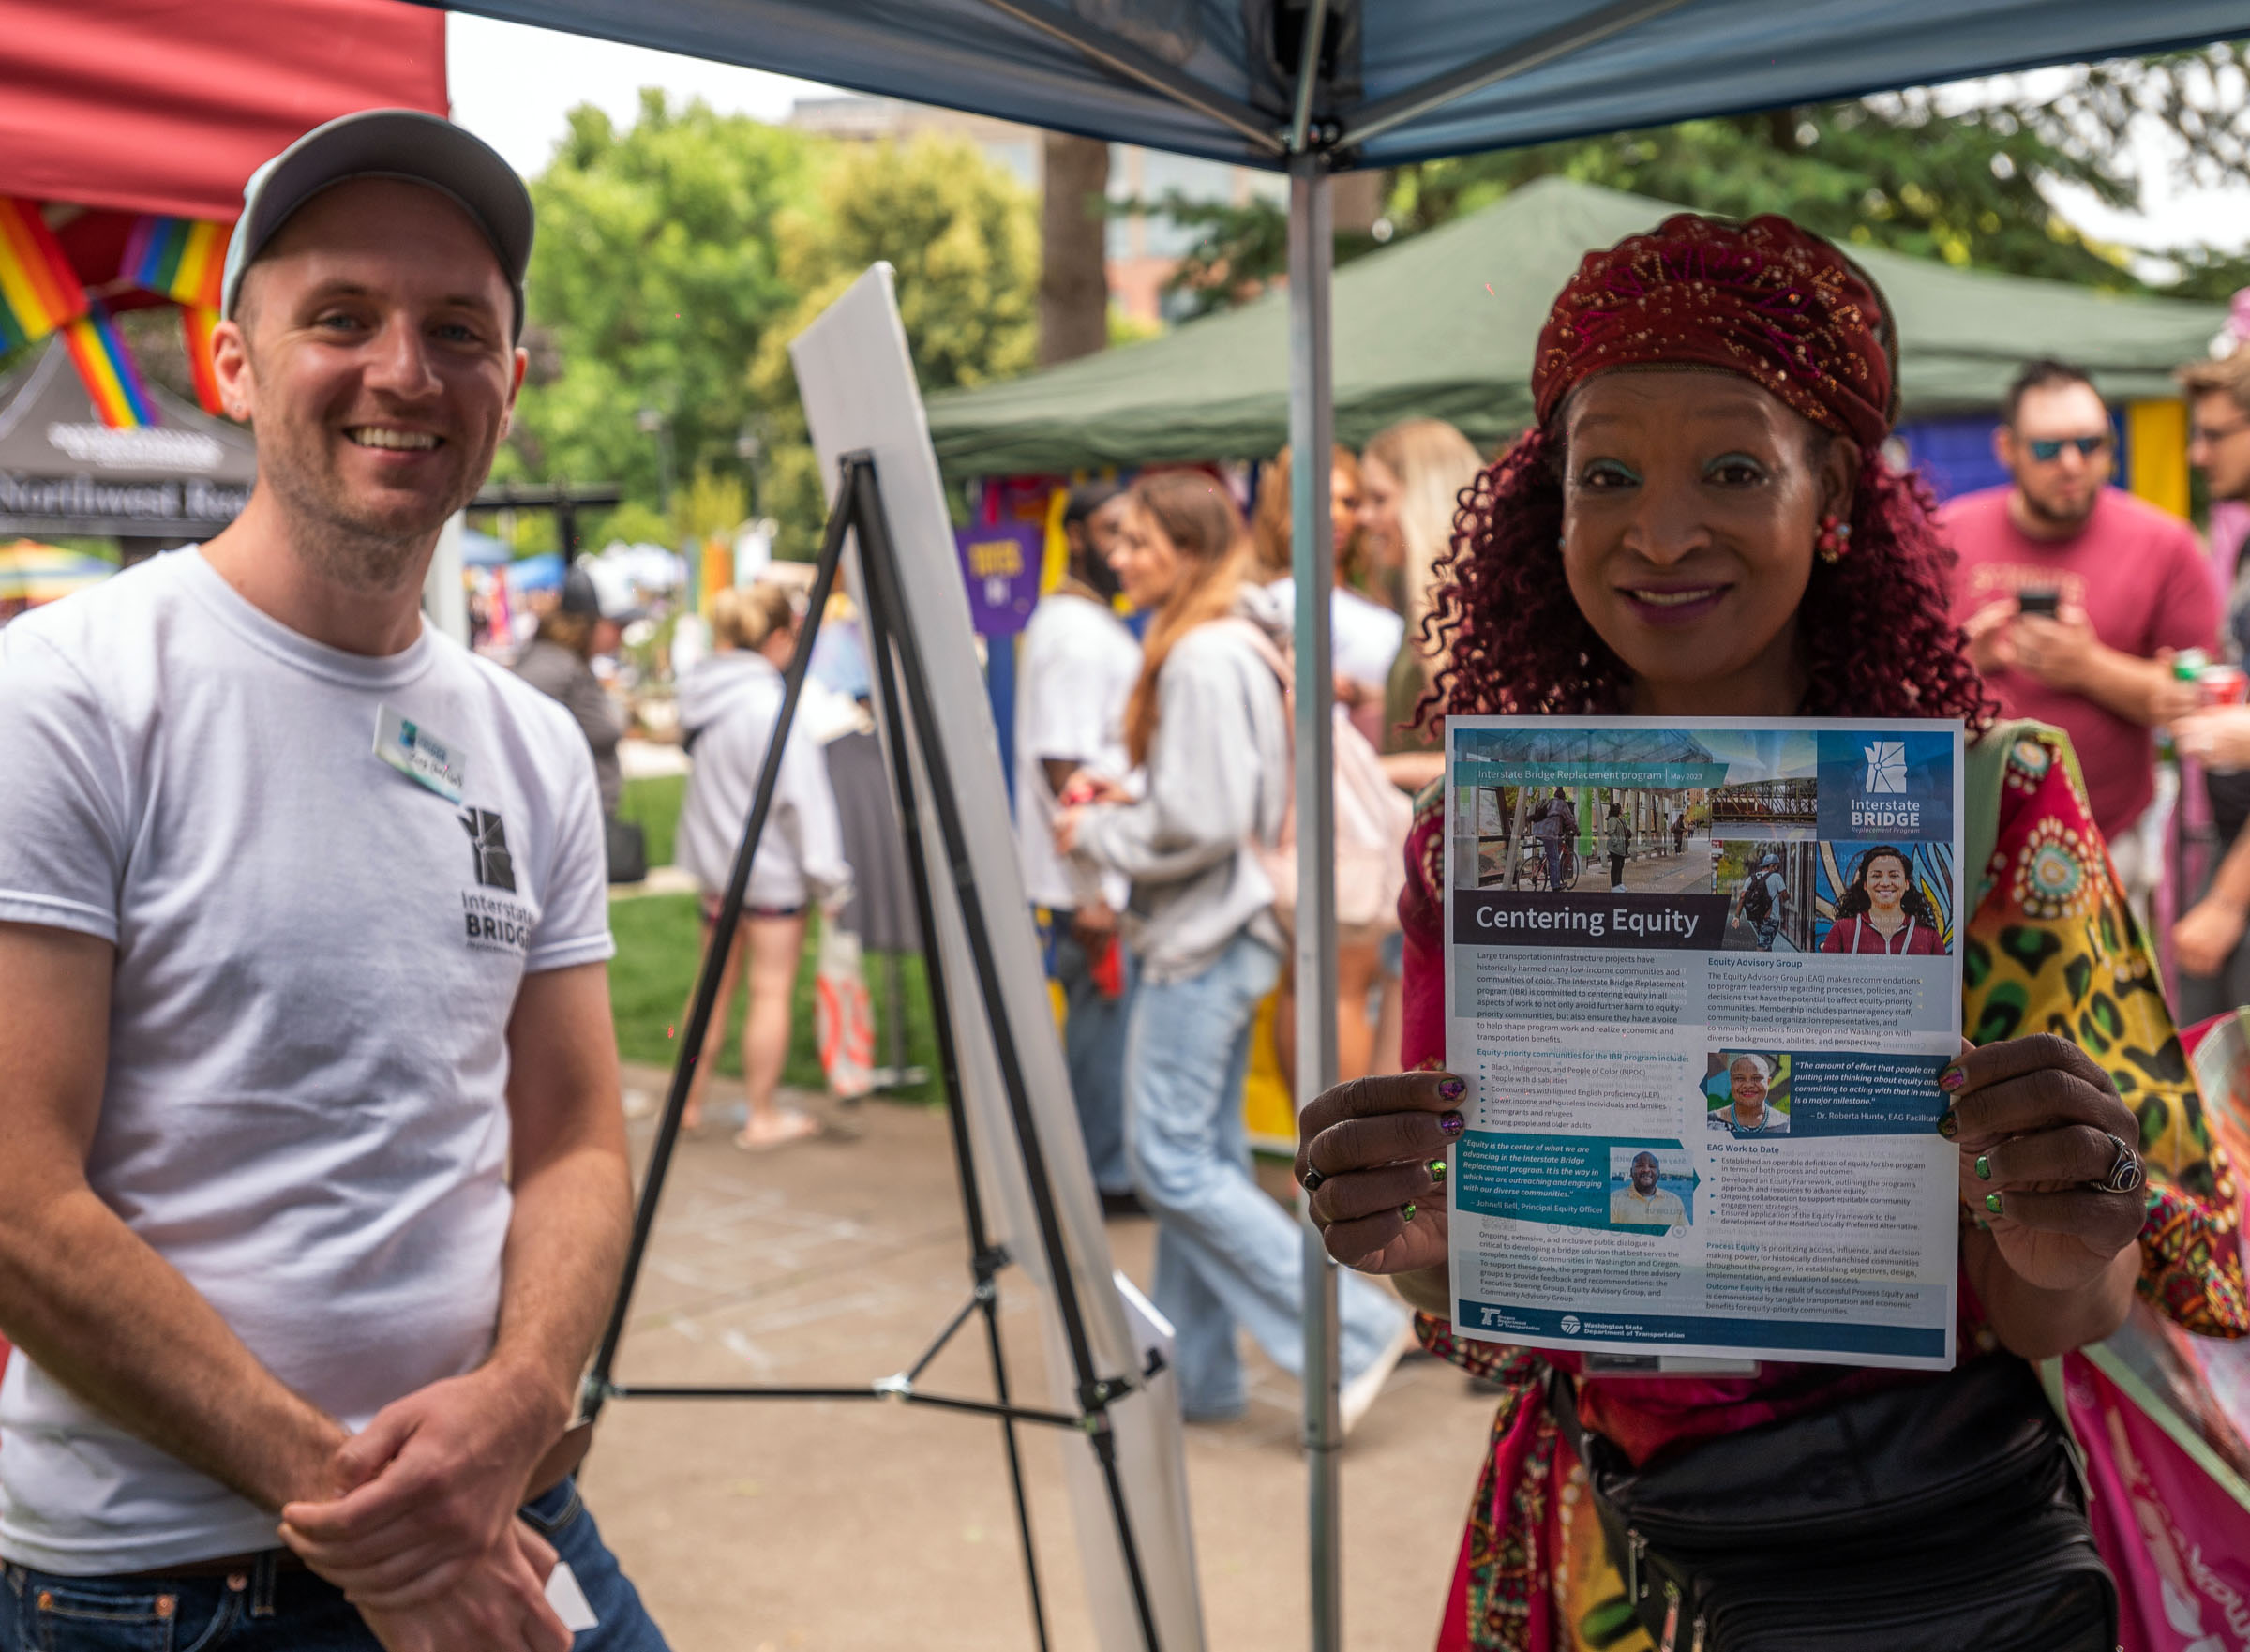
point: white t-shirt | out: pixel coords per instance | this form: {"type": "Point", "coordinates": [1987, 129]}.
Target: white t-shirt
{"type": "Point", "coordinates": [1364, 637]}
{"type": "Point", "coordinates": [1076, 674]}
{"type": "Point", "coordinates": [317, 957]}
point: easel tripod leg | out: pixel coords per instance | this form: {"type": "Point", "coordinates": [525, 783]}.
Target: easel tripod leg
{"type": "Point", "coordinates": [705, 1004]}
{"type": "Point", "coordinates": [901, 778]}
{"type": "Point", "coordinates": [886, 607]}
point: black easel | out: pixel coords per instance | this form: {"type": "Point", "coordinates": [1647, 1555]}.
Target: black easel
{"type": "Point", "coordinates": [858, 512]}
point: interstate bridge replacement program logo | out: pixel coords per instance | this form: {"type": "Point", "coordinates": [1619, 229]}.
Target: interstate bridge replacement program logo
{"type": "Point", "coordinates": [1877, 784]}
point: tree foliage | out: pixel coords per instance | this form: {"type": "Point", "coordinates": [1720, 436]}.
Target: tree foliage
{"type": "Point", "coordinates": [1966, 178]}
{"type": "Point", "coordinates": [677, 258]}
{"type": "Point", "coordinates": [1239, 248]}
{"type": "Point", "coordinates": [655, 279]}
{"type": "Point", "coordinates": [962, 235]}
{"type": "Point", "coordinates": [1965, 189]}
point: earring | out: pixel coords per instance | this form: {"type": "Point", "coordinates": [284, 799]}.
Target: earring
{"type": "Point", "coordinates": [1834, 539]}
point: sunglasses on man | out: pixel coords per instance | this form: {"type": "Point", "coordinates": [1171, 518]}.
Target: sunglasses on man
{"type": "Point", "coordinates": [2046, 449]}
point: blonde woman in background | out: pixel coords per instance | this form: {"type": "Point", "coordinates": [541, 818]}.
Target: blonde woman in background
{"type": "Point", "coordinates": [1364, 639]}
{"type": "Point", "coordinates": [1411, 477]}
{"type": "Point", "coordinates": [1363, 633]}
{"type": "Point", "coordinates": [728, 705]}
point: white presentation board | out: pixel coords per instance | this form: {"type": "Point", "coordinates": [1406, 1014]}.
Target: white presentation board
{"type": "Point", "coordinates": [856, 379]}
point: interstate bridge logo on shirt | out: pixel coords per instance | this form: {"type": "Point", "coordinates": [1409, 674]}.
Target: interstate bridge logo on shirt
{"type": "Point", "coordinates": [494, 924]}
{"type": "Point", "coordinates": [488, 841]}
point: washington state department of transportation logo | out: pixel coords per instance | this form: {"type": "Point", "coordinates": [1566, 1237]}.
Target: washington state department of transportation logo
{"type": "Point", "coordinates": [1570, 1324]}
{"type": "Point", "coordinates": [1886, 767]}
{"type": "Point", "coordinates": [488, 842]}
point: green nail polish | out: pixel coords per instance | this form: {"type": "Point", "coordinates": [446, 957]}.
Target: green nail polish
{"type": "Point", "coordinates": [1983, 1169]}
{"type": "Point", "coordinates": [1950, 1125]}
{"type": "Point", "coordinates": [1437, 1170]}
{"type": "Point", "coordinates": [1983, 1224]}
{"type": "Point", "coordinates": [1406, 1213]}
{"type": "Point", "coordinates": [1992, 1203]}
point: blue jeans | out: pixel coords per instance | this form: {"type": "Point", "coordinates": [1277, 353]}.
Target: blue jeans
{"type": "Point", "coordinates": [1554, 861]}
{"type": "Point", "coordinates": [1224, 1251]}
{"type": "Point", "coordinates": [1093, 1041]}
{"type": "Point", "coordinates": [266, 1610]}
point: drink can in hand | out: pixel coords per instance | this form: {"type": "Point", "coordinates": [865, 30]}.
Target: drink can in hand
{"type": "Point", "coordinates": [2223, 685]}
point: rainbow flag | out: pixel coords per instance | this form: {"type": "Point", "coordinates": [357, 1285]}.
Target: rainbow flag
{"type": "Point", "coordinates": [107, 367]}
{"type": "Point", "coordinates": [39, 289]}
{"type": "Point", "coordinates": [33, 573]}
{"type": "Point", "coordinates": [196, 322]}
{"type": "Point", "coordinates": [177, 258]}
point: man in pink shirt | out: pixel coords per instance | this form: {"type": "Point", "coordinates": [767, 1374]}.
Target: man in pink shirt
{"type": "Point", "coordinates": [2075, 596]}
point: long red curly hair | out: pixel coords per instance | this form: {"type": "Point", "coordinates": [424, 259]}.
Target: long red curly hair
{"type": "Point", "coordinates": [1876, 623]}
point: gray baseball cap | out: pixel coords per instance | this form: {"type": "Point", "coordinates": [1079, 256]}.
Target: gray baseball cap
{"type": "Point", "coordinates": [387, 144]}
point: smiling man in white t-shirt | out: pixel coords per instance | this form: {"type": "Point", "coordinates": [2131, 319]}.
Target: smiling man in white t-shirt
{"type": "Point", "coordinates": [314, 1187]}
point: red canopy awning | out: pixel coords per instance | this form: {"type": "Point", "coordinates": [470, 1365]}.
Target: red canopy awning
{"type": "Point", "coordinates": [167, 105]}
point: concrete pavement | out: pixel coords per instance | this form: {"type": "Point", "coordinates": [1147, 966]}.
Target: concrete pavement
{"type": "Point", "coordinates": [775, 1525]}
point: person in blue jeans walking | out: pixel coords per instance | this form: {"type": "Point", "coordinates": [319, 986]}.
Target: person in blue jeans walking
{"type": "Point", "coordinates": [313, 1191]}
{"type": "Point", "coordinates": [1077, 668]}
{"type": "Point", "coordinates": [1207, 724]}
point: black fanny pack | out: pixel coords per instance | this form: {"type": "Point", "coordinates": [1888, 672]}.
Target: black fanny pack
{"type": "Point", "coordinates": [1942, 1515]}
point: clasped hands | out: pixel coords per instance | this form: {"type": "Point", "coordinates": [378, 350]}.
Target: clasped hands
{"type": "Point", "coordinates": [2036, 1122]}
{"type": "Point", "coordinates": [423, 1534]}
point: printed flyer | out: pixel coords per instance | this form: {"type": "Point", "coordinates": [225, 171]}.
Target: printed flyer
{"type": "Point", "coordinates": [1701, 979]}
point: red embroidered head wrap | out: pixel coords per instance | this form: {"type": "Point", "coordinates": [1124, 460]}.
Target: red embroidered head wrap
{"type": "Point", "coordinates": [1766, 299]}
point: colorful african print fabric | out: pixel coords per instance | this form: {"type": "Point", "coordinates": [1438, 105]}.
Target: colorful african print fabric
{"type": "Point", "coordinates": [2051, 948]}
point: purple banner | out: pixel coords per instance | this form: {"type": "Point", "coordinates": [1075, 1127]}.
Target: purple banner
{"type": "Point", "coordinates": [1000, 565]}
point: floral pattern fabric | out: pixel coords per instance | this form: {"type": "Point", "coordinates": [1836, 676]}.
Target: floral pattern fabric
{"type": "Point", "coordinates": [2051, 947]}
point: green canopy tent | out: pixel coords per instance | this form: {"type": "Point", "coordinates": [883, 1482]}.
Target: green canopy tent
{"type": "Point", "coordinates": [1445, 325]}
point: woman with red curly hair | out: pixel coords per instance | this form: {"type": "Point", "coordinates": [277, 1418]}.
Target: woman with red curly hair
{"type": "Point", "coordinates": [1701, 525]}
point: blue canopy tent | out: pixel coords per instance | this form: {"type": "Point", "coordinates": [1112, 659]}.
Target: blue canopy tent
{"type": "Point", "coordinates": [1312, 87]}
{"type": "Point", "coordinates": [1390, 81]}
{"type": "Point", "coordinates": [481, 550]}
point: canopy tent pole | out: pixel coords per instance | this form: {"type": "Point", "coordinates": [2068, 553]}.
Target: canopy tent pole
{"type": "Point", "coordinates": [1313, 561]}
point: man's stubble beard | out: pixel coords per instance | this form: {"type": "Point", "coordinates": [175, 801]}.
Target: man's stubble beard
{"type": "Point", "coordinates": [354, 550]}
{"type": "Point", "coordinates": [2040, 511]}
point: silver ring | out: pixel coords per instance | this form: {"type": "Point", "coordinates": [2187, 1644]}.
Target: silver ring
{"type": "Point", "coordinates": [1312, 1179]}
{"type": "Point", "coordinates": [2125, 1175]}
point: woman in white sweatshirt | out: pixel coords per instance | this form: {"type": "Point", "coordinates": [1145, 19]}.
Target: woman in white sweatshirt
{"type": "Point", "coordinates": [1207, 721]}
{"type": "Point", "coordinates": [728, 705]}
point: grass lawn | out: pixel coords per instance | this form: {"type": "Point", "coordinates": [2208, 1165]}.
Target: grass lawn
{"type": "Point", "coordinates": [659, 948]}
{"type": "Point", "coordinates": [655, 802]}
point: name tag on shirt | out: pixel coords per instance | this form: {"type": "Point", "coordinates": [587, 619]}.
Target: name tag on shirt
{"type": "Point", "coordinates": [420, 755]}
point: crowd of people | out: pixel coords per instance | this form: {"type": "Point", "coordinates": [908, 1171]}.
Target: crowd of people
{"type": "Point", "coordinates": [267, 1262]}
{"type": "Point", "coordinates": [1152, 788]}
